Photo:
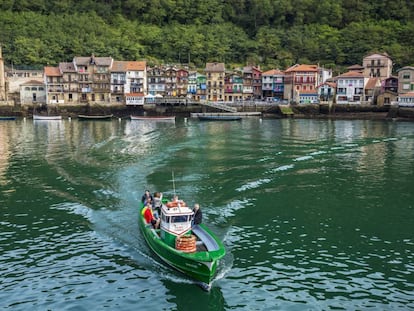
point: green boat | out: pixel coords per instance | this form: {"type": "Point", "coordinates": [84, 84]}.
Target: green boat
{"type": "Point", "coordinates": [193, 250]}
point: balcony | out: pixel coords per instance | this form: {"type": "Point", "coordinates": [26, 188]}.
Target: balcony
{"type": "Point", "coordinates": [375, 65]}
{"type": "Point", "coordinates": [116, 81]}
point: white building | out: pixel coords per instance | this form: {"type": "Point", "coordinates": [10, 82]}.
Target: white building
{"type": "Point", "coordinates": [350, 88]}
{"type": "Point", "coordinates": [406, 100]}
{"type": "Point", "coordinates": [32, 92]}
{"type": "Point", "coordinates": [129, 82]}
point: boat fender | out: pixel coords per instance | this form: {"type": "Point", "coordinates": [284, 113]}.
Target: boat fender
{"type": "Point", "coordinates": [175, 204]}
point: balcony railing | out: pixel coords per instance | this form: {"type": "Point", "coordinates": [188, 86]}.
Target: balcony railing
{"type": "Point", "coordinates": [375, 65]}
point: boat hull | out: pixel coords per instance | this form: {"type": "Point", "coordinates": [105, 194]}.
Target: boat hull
{"type": "Point", "coordinates": [219, 118]}
{"type": "Point", "coordinates": [154, 118]}
{"type": "Point", "coordinates": [6, 118]}
{"type": "Point", "coordinates": [97, 117]}
{"type": "Point", "coordinates": [46, 118]}
{"type": "Point", "coordinates": [200, 265]}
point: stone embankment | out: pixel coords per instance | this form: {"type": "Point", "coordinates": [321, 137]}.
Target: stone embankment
{"type": "Point", "coordinates": [317, 111]}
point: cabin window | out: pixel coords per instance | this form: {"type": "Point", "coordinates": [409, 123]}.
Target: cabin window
{"type": "Point", "coordinates": [175, 219]}
{"type": "Point", "coordinates": [164, 218]}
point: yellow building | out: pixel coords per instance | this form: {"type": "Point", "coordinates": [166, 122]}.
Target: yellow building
{"type": "Point", "coordinates": [215, 81]}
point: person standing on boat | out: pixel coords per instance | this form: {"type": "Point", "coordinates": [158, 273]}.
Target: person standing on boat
{"type": "Point", "coordinates": [157, 203]}
{"type": "Point", "coordinates": [147, 195]}
{"type": "Point", "coordinates": [198, 215]}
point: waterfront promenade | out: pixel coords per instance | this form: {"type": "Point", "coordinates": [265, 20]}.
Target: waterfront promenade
{"type": "Point", "coordinates": [183, 107]}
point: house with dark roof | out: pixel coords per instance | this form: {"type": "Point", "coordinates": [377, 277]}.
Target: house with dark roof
{"type": "Point", "coordinates": [156, 80]}
{"type": "Point", "coordinates": [94, 78]}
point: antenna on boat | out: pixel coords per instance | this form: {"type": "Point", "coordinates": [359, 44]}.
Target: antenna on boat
{"type": "Point", "coordinates": [173, 181]}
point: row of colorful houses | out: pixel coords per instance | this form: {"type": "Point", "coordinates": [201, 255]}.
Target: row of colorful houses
{"type": "Point", "coordinates": [103, 80]}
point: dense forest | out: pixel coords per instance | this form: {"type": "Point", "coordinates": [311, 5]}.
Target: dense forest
{"type": "Point", "coordinates": [269, 33]}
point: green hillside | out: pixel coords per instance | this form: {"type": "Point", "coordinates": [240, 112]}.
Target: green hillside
{"type": "Point", "coordinates": [272, 33]}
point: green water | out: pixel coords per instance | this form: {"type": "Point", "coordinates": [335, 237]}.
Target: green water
{"type": "Point", "coordinates": [315, 215]}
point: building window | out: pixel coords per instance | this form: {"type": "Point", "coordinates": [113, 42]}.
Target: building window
{"type": "Point", "coordinates": [406, 76]}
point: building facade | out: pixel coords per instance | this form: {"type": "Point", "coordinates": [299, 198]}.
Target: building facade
{"type": "Point", "coordinates": [406, 99]}
{"type": "Point", "coordinates": [350, 88]}
{"type": "Point", "coordinates": [215, 81]}
{"type": "Point", "coordinates": [54, 85]}
{"type": "Point", "coordinates": [273, 84]}
{"type": "Point", "coordinates": [2, 77]}
{"type": "Point", "coordinates": [405, 80]}
{"type": "Point", "coordinates": [301, 83]}
{"type": "Point", "coordinates": [32, 92]}
{"type": "Point", "coordinates": [233, 87]}
{"type": "Point", "coordinates": [377, 65]}
{"type": "Point", "coordinates": [156, 80]}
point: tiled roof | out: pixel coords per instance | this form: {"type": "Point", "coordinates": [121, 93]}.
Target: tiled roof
{"type": "Point", "coordinates": [215, 67]}
{"type": "Point", "coordinates": [123, 66]}
{"type": "Point", "coordinates": [67, 67]}
{"type": "Point", "coordinates": [409, 94]}
{"type": "Point", "coordinates": [406, 68]}
{"type": "Point", "coordinates": [376, 55]}
{"type": "Point", "coordinates": [273, 72]}
{"type": "Point", "coordinates": [302, 67]}
{"type": "Point", "coordinates": [330, 84]}
{"type": "Point", "coordinates": [52, 71]}
{"type": "Point", "coordinates": [351, 74]}
{"type": "Point", "coordinates": [137, 65]}
{"type": "Point", "coordinates": [33, 82]}
{"type": "Point", "coordinates": [251, 69]}
{"type": "Point", "coordinates": [100, 61]}
{"type": "Point", "coordinates": [372, 83]}
{"type": "Point", "coordinates": [355, 67]}
{"type": "Point", "coordinates": [119, 66]}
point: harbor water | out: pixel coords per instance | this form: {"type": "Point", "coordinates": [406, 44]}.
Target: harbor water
{"type": "Point", "coordinates": [314, 214]}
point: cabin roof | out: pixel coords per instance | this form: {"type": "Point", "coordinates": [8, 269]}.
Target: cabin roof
{"type": "Point", "coordinates": [177, 211]}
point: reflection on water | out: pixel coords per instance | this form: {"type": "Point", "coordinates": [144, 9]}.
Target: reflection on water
{"type": "Point", "coordinates": [315, 215]}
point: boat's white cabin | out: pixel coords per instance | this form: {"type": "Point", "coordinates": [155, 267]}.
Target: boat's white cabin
{"type": "Point", "coordinates": [176, 220]}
